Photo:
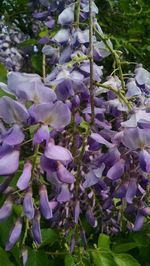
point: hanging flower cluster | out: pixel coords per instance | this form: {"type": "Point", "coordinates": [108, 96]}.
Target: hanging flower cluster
{"type": "Point", "coordinates": [75, 147]}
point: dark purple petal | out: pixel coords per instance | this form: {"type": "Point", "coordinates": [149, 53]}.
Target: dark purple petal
{"type": "Point", "coordinates": [90, 217]}
{"type": "Point", "coordinates": [9, 162]}
{"type": "Point", "coordinates": [36, 230]}
{"type": "Point", "coordinates": [13, 112]}
{"type": "Point", "coordinates": [5, 183]}
{"type": "Point", "coordinates": [56, 115]}
{"type": "Point", "coordinates": [139, 221]}
{"type": "Point", "coordinates": [58, 153]}
{"type": "Point", "coordinates": [48, 165]}
{"type": "Point", "coordinates": [64, 194]}
{"type": "Point", "coordinates": [64, 175]}
{"type": "Point", "coordinates": [144, 159]}
{"type": "Point", "coordinates": [28, 205]}
{"type": "Point", "coordinates": [131, 191]}
{"type": "Point", "coordinates": [14, 235]}
{"type": "Point", "coordinates": [50, 23]}
{"type": "Point", "coordinates": [44, 203]}
{"type": "Point", "coordinates": [23, 181]}
{"type": "Point", "coordinates": [14, 136]}
{"type": "Point", "coordinates": [6, 210]}
{"type": "Point", "coordinates": [117, 170]}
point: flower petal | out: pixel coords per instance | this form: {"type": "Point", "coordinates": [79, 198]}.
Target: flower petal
{"type": "Point", "coordinates": [58, 153]}
{"type": "Point", "coordinates": [23, 181]}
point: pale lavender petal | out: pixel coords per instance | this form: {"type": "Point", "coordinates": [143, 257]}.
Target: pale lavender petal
{"type": "Point", "coordinates": [101, 140]}
{"type": "Point", "coordinates": [64, 175]}
{"type": "Point", "coordinates": [144, 159]}
{"type": "Point", "coordinates": [139, 221]}
{"type": "Point", "coordinates": [117, 170]}
{"type": "Point", "coordinates": [139, 115]}
{"type": "Point", "coordinates": [64, 194]}
{"type": "Point", "coordinates": [44, 203]}
{"type": "Point", "coordinates": [13, 112]}
{"type": "Point", "coordinates": [14, 136]}
{"type": "Point", "coordinates": [23, 181]}
{"type": "Point", "coordinates": [145, 211]}
{"type": "Point", "coordinates": [6, 210]}
{"type": "Point", "coordinates": [62, 36]}
{"type": "Point", "coordinates": [14, 236]}
{"type": "Point", "coordinates": [132, 89]}
{"type": "Point", "coordinates": [56, 115]}
{"type": "Point", "coordinates": [58, 153]}
{"type": "Point", "coordinates": [66, 17]}
{"type": "Point", "coordinates": [29, 87]}
{"type": "Point", "coordinates": [12, 159]}
{"type": "Point", "coordinates": [93, 176]}
{"type": "Point", "coordinates": [41, 134]}
{"type": "Point", "coordinates": [142, 76]}
{"type": "Point", "coordinates": [131, 191]}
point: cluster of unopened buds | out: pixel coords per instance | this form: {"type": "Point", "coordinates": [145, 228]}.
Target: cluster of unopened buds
{"type": "Point", "coordinates": [53, 161]}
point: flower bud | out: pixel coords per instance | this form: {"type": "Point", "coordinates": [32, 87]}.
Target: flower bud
{"type": "Point", "coordinates": [24, 179]}
{"type": "Point", "coordinates": [14, 235]}
{"type": "Point", "coordinates": [6, 210]}
{"type": "Point", "coordinates": [44, 203]}
{"type": "Point", "coordinates": [36, 230]}
{"type": "Point", "coordinates": [28, 205]}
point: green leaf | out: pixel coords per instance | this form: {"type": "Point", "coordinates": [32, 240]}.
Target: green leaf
{"type": "Point", "coordinates": [69, 261]}
{"type": "Point", "coordinates": [104, 242]}
{"type": "Point", "coordinates": [28, 43]}
{"type": "Point", "coordinates": [125, 247]}
{"type": "Point", "coordinates": [125, 260]}
{"type": "Point", "coordinates": [3, 73]}
{"type": "Point", "coordinates": [37, 258]}
{"type": "Point", "coordinates": [49, 236]}
{"type": "Point", "coordinates": [102, 260]}
{"type": "Point", "coordinates": [37, 63]}
{"type": "Point", "coordinates": [4, 260]}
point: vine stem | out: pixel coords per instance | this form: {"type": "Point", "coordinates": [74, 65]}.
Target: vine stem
{"type": "Point", "coordinates": [44, 67]}
{"type": "Point", "coordinates": [91, 61]}
{"type": "Point", "coordinates": [115, 55]}
{"type": "Point", "coordinates": [117, 92]}
{"type": "Point", "coordinates": [78, 13]}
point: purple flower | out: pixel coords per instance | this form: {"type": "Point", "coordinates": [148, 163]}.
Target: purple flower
{"type": "Point", "coordinates": [29, 87]}
{"type": "Point", "coordinates": [28, 205]}
{"type": "Point", "coordinates": [23, 181]}
{"type": "Point", "coordinates": [66, 17]}
{"type": "Point", "coordinates": [57, 115]}
{"type": "Point", "coordinates": [6, 210]}
{"type": "Point", "coordinates": [13, 112]}
{"type": "Point", "coordinates": [58, 153]}
{"type": "Point", "coordinates": [10, 158]}
{"type": "Point", "coordinates": [14, 136]}
{"type": "Point", "coordinates": [90, 217]}
{"type": "Point", "coordinates": [14, 235]}
{"type": "Point", "coordinates": [131, 190]}
{"type": "Point", "coordinates": [64, 175]}
{"type": "Point", "coordinates": [117, 170]}
{"type": "Point", "coordinates": [41, 134]}
{"type": "Point", "coordinates": [24, 255]}
{"type": "Point", "coordinates": [44, 203]}
{"type": "Point", "coordinates": [64, 194]}
{"type": "Point", "coordinates": [36, 230]}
